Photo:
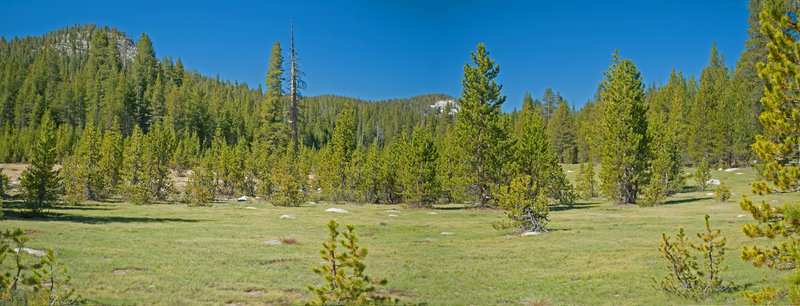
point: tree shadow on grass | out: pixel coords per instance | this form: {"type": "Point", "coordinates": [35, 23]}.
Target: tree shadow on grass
{"type": "Point", "coordinates": [577, 205]}
{"type": "Point", "coordinates": [683, 200]}
{"type": "Point", "coordinates": [10, 214]}
{"type": "Point", "coordinates": [19, 204]}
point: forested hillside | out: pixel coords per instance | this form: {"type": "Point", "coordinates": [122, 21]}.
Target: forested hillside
{"type": "Point", "coordinates": [86, 74]}
{"type": "Point", "coordinates": [112, 102]}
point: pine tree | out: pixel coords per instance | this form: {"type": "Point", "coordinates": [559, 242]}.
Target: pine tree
{"type": "Point", "coordinates": [345, 281]}
{"type": "Point", "coordinates": [525, 206]}
{"type": "Point", "coordinates": [778, 149]}
{"type": "Point", "coordinates": [200, 189]}
{"type": "Point", "coordinates": [479, 126]}
{"type": "Point", "coordinates": [87, 159]}
{"type": "Point", "coordinates": [111, 161]}
{"type": "Point", "coordinates": [419, 169]}
{"type": "Point", "coordinates": [665, 172]}
{"type": "Point", "coordinates": [533, 156]}
{"type": "Point", "coordinates": [561, 131]}
{"type": "Point", "coordinates": [624, 129]}
{"type": "Point", "coordinates": [586, 181]}
{"type": "Point", "coordinates": [702, 174]}
{"type": "Point", "coordinates": [135, 169]}
{"type": "Point", "coordinates": [39, 181]}
{"type": "Point", "coordinates": [339, 154]}
{"type": "Point", "coordinates": [159, 144]}
{"type": "Point", "coordinates": [706, 114]}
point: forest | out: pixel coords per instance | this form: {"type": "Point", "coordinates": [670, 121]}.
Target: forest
{"type": "Point", "coordinates": [98, 118]}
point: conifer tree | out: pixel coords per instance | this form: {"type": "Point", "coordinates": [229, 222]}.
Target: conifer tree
{"type": "Point", "coordinates": [87, 161]}
{"type": "Point", "coordinates": [419, 179]}
{"type": "Point", "coordinates": [339, 153]}
{"type": "Point", "coordinates": [274, 131]}
{"type": "Point", "coordinates": [39, 181]}
{"type": "Point", "coordinates": [111, 160]}
{"type": "Point", "coordinates": [665, 172]}
{"type": "Point", "coordinates": [624, 129]}
{"type": "Point", "coordinates": [159, 144]}
{"type": "Point", "coordinates": [480, 130]}
{"type": "Point", "coordinates": [533, 156]}
{"type": "Point", "coordinates": [778, 149]}
{"type": "Point", "coordinates": [561, 131]}
{"type": "Point", "coordinates": [135, 169]}
{"type": "Point", "coordinates": [525, 206]}
{"type": "Point", "coordinates": [586, 181]}
{"type": "Point", "coordinates": [702, 174]}
{"type": "Point", "coordinates": [200, 189]}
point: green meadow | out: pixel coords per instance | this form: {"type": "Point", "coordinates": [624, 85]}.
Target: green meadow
{"type": "Point", "coordinates": [597, 252]}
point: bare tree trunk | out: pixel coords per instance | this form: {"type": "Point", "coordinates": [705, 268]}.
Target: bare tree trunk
{"type": "Point", "coordinates": [293, 105]}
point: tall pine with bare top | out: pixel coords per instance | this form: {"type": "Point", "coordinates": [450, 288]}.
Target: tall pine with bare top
{"type": "Point", "coordinates": [479, 126]}
{"type": "Point", "coordinates": [778, 149]}
{"type": "Point", "coordinates": [624, 129]}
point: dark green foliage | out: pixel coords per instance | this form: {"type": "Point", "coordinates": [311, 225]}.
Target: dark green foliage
{"type": "Point", "coordinates": [625, 153]}
{"type": "Point", "coordinates": [561, 131]}
{"type": "Point", "coordinates": [687, 278]}
{"type": "Point", "coordinates": [419, 179]}
{"type": "Point", "coordinates": [39, 181]}
{"type": "Point", "coordinates": [532, 156]}
{"type": "Point", "coordinates": [135, 174]}
{"type": "Point", "coordinates": [343, 271]}
{"type": "Point", "coordinates": [480, 128]}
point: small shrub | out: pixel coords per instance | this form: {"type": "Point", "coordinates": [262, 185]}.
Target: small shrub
{"type": "Point", "coordinates": [703, 174]}
{"type": "Point", "coordinates": [686, 278]}
{"type": "Point", "coordinates": [723, 192]}
{"type": "Point", "coordinates": [32, 284]}
{"type": "Point", "coordinates": [525, 205]}
{"type": "Point", "coordinates": [200, 188]}
{"type": "Point", "coordinates": [345, 282]}
{"type": "Point", "coordinates": [289, 240]}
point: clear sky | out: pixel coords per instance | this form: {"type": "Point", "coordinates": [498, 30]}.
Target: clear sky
{"type": "Point", "coordinates": [393, 49]}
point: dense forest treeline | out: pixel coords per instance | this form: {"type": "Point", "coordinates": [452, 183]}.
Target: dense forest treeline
{"type": "Point", "coordinates": [109, 98]}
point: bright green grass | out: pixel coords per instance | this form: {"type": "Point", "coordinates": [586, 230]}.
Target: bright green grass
{"type": "Point", "coordinates": [597, 252]}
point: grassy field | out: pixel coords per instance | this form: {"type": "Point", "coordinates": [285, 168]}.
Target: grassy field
{"type": "Point", "coordinates": [597, 252]}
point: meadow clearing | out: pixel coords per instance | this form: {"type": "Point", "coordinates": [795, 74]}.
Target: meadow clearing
{"type": "Point", "coordinates": [597, 252]}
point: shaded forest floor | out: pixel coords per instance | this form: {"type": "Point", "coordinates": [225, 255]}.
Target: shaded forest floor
{"type": "Point", "coordinates": [596, 253]}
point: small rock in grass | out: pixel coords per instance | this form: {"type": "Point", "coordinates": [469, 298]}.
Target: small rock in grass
{"type": "Point", "coordinates": [243, 198]}
{"type": "Point", "coordinates": [392, 215]}
{"type": "Point", "coordinates": [392, 211]}
{"type": "Point", "coordinates": [446, 233]}
{"type": "Point", "coordinates": [337, 210]}
{"type": "Point", "coordinates": [250, 207]}
{"type": "Point", "coordinates": [570, 171]}
{"type": "Point", "coordinates": [428, 240]}
{"type": "Point", "coordinates": [740, 216]}
{"type": "Point", "coordinates": [274, 242]}
{"type": "Point", "coordinates": [709, 193]}
{"type": "Point", "coordinates": [530, 234]}
{"type": "Point", "coordinates": [288, 217]}
{"type": "Point", "coordinates": [713, 182]}
{"type": "Point", "coordinates": [719, 169]}
{"type": "Point", "coordinates": [731, 169]}
{"type": "Point", "coordinates": [739, 173]}
{"type": "Point", "coordinates": [433, 213]}
{"type": "Point", "coordinates": [34, 252]}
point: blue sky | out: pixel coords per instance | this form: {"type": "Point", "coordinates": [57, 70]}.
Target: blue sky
{"type": "Point", "coordinates": [392, 49]}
